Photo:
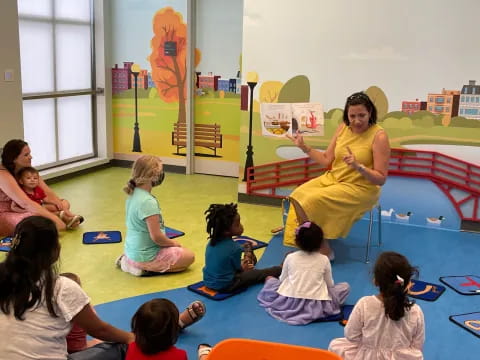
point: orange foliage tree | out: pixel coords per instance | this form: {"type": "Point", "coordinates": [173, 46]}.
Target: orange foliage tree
{"type": "Point", "coordinates": [169, 72]}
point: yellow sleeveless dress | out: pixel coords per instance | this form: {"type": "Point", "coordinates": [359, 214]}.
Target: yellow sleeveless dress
{"type": "Point", "coordinates": [339, 197]}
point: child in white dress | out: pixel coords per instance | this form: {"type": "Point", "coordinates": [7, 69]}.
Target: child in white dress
{"type": "Point", "coordinates": [387, 325]}
{"type": "Point", "coordinates": [305, 291]}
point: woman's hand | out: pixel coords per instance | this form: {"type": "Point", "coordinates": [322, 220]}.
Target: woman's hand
{"type": "Point", "coordinates": [56, 202]}
{"type": "Point", "coordinates": [350, 159]}
{"type": "Point", "coordinates": [297, 139]}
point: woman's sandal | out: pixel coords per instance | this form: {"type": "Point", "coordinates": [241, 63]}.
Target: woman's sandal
{"type": "Point", "coordinates": [195, 313]}
{"type": "Point", "coordinates": [77, 219]}
{"type": "Point", "coordinates": [204, 350]}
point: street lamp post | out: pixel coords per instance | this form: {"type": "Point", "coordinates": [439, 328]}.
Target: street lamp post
{"type": "Point", "coordinates": [252, 80]}
{"type": "Point", "coordinates": [135, 69]}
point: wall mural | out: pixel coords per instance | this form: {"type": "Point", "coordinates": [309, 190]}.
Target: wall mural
{"type": "Point", "coordinates": [149, 100]}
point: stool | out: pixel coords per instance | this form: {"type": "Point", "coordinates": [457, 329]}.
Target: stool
{"type": "Point", "coordinates": [370, 227]}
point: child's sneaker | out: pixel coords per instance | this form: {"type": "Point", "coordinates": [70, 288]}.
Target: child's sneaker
{"type": "Point", "coordinates": [127, 267]}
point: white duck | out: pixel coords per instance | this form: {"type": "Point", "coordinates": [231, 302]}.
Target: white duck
{"type": "Point", "coordinates": [436, 221]}
{"type": "Point", "coordinates": [387, 212]}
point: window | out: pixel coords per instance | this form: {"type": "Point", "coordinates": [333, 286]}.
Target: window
{"type": "Point", "coordinates": [56, 52]}
{"type": "Point", "coordinates": [439, 108]}
{"type": "Point", "coordinates": [461, 111]}
{"type": "Point", "coordinates": [440, 100]}
{"type": "Point", "coordinates": [462, 99]}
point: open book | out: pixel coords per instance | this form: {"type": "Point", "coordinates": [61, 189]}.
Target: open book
{"type": "Point", "coordinates": [279, 119]}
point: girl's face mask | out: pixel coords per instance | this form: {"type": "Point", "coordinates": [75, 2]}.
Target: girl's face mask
{"type": "Point", "coordinates": [159, 179]}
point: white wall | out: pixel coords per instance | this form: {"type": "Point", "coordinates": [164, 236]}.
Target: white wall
{"type": "Point", "coordinates": [11, 124]}
{"type": "Point", "coordinates": [408, 48]}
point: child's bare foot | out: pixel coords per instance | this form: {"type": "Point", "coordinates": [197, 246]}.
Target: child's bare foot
{"type": "Point", "coordinates": [193, 313]}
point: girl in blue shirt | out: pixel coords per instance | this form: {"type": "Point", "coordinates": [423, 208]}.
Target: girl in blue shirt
{"type": "Point", "coordinates": [147, 248]}
{"type": "Point", "coordinates": [224, 270]}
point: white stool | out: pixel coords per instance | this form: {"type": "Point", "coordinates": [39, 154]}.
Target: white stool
{"type": "Point", "coordinates": [370, 227]}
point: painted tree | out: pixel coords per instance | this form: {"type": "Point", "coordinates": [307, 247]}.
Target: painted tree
{"type": "Point", "coordinates": [169, 72]}
{"type": "Point", "coordinates": [269, 91]}
{"type": "Point", "coordinates": [380, 100]}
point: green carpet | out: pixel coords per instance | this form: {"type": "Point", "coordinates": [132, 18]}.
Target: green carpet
{"type": "Point", "coordinates": [99, 197]}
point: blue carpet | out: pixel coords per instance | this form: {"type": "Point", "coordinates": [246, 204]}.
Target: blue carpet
{"type": "Point", "coordinates": [436, 252]}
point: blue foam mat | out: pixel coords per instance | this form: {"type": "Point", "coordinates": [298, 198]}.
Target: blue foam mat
{"type": "Point", "coordinates": [201, 289]}
{"type": "Point", "coordinates": [5, 244]}
{"type": "Point", "coordinates": [173, 233]}
{"type": "Point", "coordinates": [102, 237]}
{"type": "Point", "coordinates": [469, 321]}
{"type": "Point", "coordinates": [463, 284]}
{"type": "Point", "coordinates": [425, 291]}
{"type": "Point", "coordinates": [242, 239]}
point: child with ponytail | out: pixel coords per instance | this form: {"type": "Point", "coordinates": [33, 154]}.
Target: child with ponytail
{"type": "Point", "coordinates": [387, 325]}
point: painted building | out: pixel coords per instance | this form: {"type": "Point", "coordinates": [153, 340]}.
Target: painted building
{"type": "Point", "coordinates": [446, 103]}
{"type": "Point", "coordinates": [151, 83]}
{"type": "Point", "coordinates": [224, 84]}
{"type": "Point", "coordinates": [121, 77]}
{"type": "Point", "coordinates": [142, 80]}
{"type": "Point", "coordinates": [208, 81]}
{"type": "Point", "coordinates": [470, 101]}
{"type": "Point", "coordinates": [410, 107]}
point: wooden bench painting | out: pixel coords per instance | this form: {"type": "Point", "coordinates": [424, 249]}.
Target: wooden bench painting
{"type": "Point", "coordinates": [206, 135]}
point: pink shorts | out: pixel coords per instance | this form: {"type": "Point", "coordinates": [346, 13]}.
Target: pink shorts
{"type": "Point", "coordinates": [165, 259]}
{"type": "Point", "coordinates": [9, 219]}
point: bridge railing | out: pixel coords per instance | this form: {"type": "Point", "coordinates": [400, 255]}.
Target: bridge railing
{"type": "Point", "coordinates": [446, 171]}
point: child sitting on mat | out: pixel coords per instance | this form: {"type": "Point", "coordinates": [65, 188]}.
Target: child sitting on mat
{"type": "Point", "coordinates": [305, 291]}
{"type": "Point", "coordinates": [156, 326]}
{"type": "Point", "coordinates": [224, 269]}
{"type": "Point", "coordinates": [387, 325]}
{"type": "Point", "coordinates": [77, 337]}
{"type": "Point", "coordinates": [28, 179]}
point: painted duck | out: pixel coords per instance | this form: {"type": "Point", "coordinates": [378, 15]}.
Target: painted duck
{"type": "Point", "coordinates": [404, 216]}
{"type": "Point", "coordinates": [434, 220]}
{"type": "Point", "coordinates": [387, 212]}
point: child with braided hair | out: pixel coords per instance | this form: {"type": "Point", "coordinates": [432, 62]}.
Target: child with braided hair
{"type": "Point", "coordinates": [387, 325]}
{"type": "Point", "coordinates": [224, 269]}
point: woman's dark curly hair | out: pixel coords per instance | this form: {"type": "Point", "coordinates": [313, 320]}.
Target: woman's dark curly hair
{"type": "Point", "coordinates": [219, 218]}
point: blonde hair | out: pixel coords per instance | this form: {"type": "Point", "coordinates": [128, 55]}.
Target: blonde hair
{"type": "Point", "coordinates": [144, 170]}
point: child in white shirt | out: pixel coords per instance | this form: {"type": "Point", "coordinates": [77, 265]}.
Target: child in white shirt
{"type": "Point", "coordinates": [387, 325]}
{"type": "Point", "coordinates": [305, 291]}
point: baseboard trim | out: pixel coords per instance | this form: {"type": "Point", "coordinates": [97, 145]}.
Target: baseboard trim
{"type": "Point", "coordinates": [168, 168]}
{"type": "Point", "coordinates": [57, 178]}
{"type": "Point", "coordinates": [259, 200]}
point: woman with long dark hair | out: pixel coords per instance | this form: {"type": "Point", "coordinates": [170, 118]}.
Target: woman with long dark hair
{"type": "Point", "coordinates": [38, 307]}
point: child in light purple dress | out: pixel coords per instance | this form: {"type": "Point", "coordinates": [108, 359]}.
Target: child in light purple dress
{"type": "Point", "coordinates": [305, 291]}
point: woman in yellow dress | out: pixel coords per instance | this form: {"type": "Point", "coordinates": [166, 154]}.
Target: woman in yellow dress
{"type": "Point", "coordinates": [358, 157]}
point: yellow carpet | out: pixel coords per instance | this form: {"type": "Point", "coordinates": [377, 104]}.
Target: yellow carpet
{"type": "Point", "coordinates": [99, 198]}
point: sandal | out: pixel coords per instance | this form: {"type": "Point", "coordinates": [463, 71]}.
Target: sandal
{"type": "Point", "coordinates": [249, 255]}
{"type": "Point", "coordinates": [76, 219]}
{"type": "Point", "coordinates": [196, 310]}
{"type": "Point", "coordinates": [203, 350]}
